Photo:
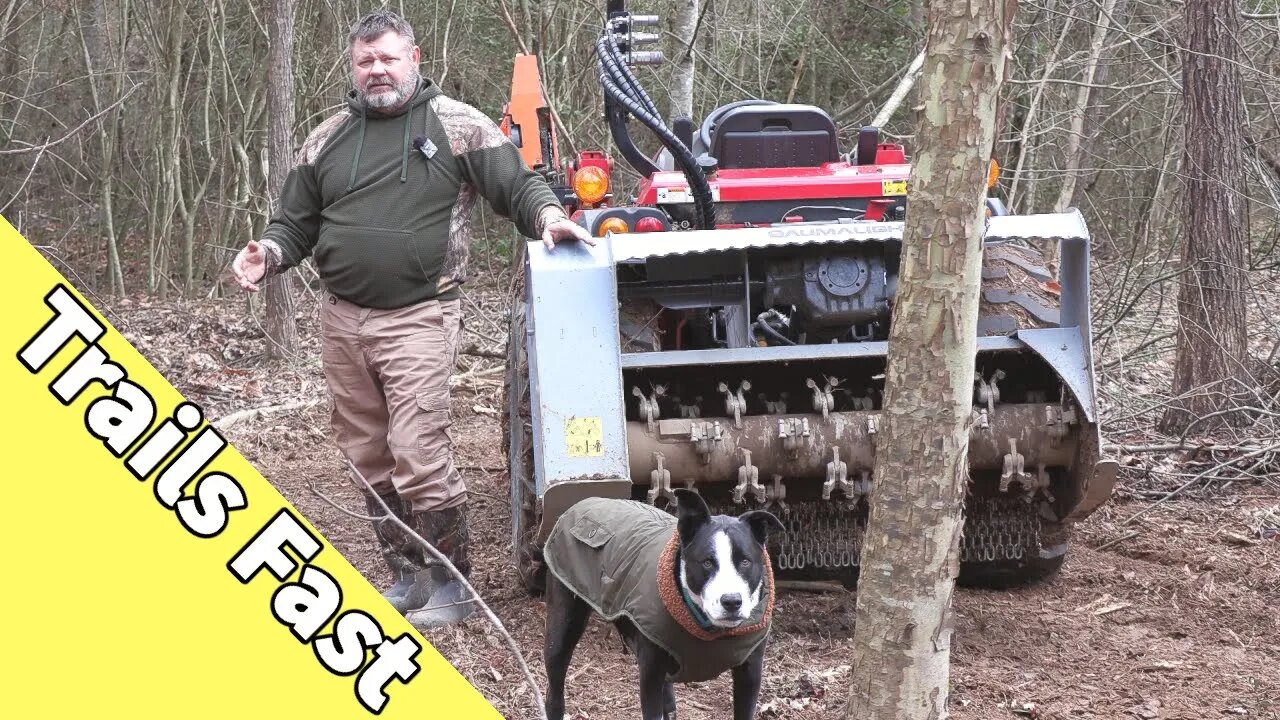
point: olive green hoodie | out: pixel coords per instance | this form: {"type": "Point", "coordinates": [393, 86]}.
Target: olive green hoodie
{"type": "Point", "coordinates": [387, 225]}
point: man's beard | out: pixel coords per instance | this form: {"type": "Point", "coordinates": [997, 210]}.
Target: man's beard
{"type": "Point", "coordinates": [392, 98]}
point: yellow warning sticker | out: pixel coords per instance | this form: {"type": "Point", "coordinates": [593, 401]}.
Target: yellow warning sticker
{"type": "Point", "coordinates": [894, 187]}
{"type": "Point", "coordinates": [584, 437]}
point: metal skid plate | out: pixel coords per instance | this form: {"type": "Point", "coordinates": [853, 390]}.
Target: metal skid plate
{"type": "Point", "coordinates": [575, 382]}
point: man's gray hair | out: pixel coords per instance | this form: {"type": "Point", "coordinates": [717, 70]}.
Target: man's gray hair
{"type": "Point", "coordinates": [372, 26]}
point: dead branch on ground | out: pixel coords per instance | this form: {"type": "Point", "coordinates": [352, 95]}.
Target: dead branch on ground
{"type": "Point", "coordinates": [388, 516]}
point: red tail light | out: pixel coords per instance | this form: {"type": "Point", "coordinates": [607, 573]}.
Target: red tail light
{"type": "Point", "coordinates": [649, 224]}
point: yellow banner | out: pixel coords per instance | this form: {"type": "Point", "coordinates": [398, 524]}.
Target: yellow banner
{"type": "Point", "coordinates": [149, 569]}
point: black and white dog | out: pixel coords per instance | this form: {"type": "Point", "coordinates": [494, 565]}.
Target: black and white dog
{"type": "Point", "coordinates": [691, 595]}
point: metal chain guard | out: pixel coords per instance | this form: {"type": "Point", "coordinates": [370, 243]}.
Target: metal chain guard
{"type": "Point", "coordinates": [821, 535]}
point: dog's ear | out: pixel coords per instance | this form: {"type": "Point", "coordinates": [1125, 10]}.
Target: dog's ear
{"type": "Point", "coordinates": [692, 512]}
{"type": "Point", "coordinates": [761, 524]}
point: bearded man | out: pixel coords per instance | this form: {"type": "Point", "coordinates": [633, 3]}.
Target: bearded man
{"type": "Point", "coordinates": [381, 199]}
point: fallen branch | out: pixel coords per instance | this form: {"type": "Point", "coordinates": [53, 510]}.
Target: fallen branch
{"type": "Point", "coordinates": [1180, 489]}
{"type": "Point", "coordinates": [470, 376]}
{"type": "Point", "coordinates": [389, 516]}
{"type": "Point", "coordinates": [851, 110]}
{"type": "Point", "coordinates": [1117, 541]}
{"type": "Point", "coordinates": [238, 417]}
{"type": "Point", "coordinates": [812, 586]}
{"type": "Point", "coordinates": [1175, 447]}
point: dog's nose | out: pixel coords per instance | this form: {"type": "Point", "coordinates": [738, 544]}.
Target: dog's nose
{"type": "Point", "coordinates": [731, 602]}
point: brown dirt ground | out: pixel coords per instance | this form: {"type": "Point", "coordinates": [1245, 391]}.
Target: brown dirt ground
{"type": "Point", "coordinates": [1181, 620]}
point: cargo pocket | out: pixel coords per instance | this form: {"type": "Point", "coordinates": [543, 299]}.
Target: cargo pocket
{"type": "Point", "coordinates": [596, 535]}
{"type": "Point", "coordinates": [435, 424]}
{"type": "Point", "coordinates": [590, 532]}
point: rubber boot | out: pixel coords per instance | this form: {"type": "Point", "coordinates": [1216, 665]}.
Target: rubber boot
{"type": "Point", "coordinates": [450, 602]}
{"type": "Point", "coordinates": [398, 550]}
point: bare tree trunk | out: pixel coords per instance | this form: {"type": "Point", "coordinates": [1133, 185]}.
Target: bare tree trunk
{"type": "Point", "coordinates": [193, 182]}
{"type": "Point", "coordinates": [684, 28]}
{"type": "Point", "coordinates": [1086, 94]}
{"type": "Point", "coordinates": [530, 27]}
{"type": "Point", "coordinates": [282, 330]}
{"type": "Point", "coordinates": [1098, 104]}
{"type": "Point", "coordinates": [1212, 340]}
{"type": "Point", "coordinates": [1026, 143]}
{"type": "Point", "coordinates": [902, 639]}
{"type": "Point", "coordinates": [98, 46]}
{"type": "Point", "coordinates": [165, 176]}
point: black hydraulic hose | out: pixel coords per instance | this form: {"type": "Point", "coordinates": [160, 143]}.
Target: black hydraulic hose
{"type": "Point", "coordinates": [691, 172]}
{"type": "Point", "coordinates": [611, 64]}
{"type": "Point", "coordinates": [617, 117]}
{"type": "Point", "coordinates": [611, 69]}
{"type": "Point", "coordinates": [611, 58]}
{"type": "Point", "coordinates": [615, 66]}
{"type": "Point", "coordinates": [768, 330]}
{"type": "Point", "coordinates": [704, 209]}
{"type": "Point", "coordinates": [617, 114]}
{"type": "Point", "coordinates": [614, 77]}
{"type": "Point", "coordinates": [634, 82]}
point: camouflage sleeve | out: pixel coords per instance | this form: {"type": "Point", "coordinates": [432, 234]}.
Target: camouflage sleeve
{"type": "Point", "coordinates": [493, 165]}
{"type": "Point", "coordinates": [275, 256]}
{"type": "Point", "coordinates": [545, 216]}
{"type": "Point", "coordinates": [295, 221]}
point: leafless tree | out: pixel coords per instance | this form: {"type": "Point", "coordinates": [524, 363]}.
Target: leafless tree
{"type": "Point", "coordinates": [1212, 349]}
{"type": "Point", "coordinates": [684, 28]}
{"type": "Point", "coordinates": [910, 556]}
{"type": "Point", "coordinates": [282, 330]}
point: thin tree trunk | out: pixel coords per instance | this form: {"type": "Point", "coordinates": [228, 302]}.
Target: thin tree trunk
{"type": "Point", "coordinates": [799, 69]}
{"type": "Point", "coordinates": [193, 184]}
{"type": "Point", "coordinates": [98, 47]}
{"type": "Point", "coordinates": [1086, 94]}
{"type": "Point", "coordinates": [282, 330]}
{"type": "Point", "coordinates": [171, 157]}
{"type": "Point", "coordinates": [684, 30]}
{"type": "Point", "coordinates": [1098, 105]}
{"type": "Point", "coordinates": [167, 161]}
{"type": "Point", "coordinates": [902, 638]}
{"type": "Point", "coordinates": [1212, 345]}
{"type": "Point", "coordinates": [1026, 143]}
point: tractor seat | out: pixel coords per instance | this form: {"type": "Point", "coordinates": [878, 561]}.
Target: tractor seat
{"type": "Point", "coordinates": [773, 135]}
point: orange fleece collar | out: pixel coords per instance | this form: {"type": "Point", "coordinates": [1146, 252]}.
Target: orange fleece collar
{"type": "Point", "coordinates": [673, 599]}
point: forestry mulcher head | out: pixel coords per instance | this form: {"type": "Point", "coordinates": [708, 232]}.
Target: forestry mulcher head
{"type": "Point", "coordinates": [729, 331]}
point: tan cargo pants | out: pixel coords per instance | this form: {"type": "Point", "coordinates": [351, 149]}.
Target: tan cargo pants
{"type": "Point", "coordinates": [388, 371]}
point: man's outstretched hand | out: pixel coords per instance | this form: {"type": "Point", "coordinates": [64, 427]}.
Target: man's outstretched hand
{"type": "Point", "coordinates": [250, 266]}
{"type": "Point", "coordinates": [561, 229]}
